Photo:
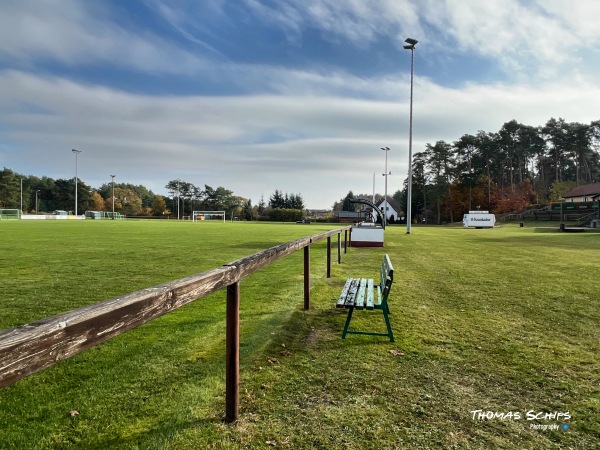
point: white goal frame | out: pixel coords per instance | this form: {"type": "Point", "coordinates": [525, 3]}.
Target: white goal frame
{"type": "Point", "coordinates": [10, 213]}
{"type": "Point", "coordinates": [207, 215]}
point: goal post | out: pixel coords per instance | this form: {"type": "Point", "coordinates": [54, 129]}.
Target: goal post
{"type": "Point", "coordinates": [10, 214]}
{"type": "Point", "coordinates": [208, 215]}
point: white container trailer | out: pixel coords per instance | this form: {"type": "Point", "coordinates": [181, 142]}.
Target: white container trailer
{"type": "Point", "coordinates": [479, 219]}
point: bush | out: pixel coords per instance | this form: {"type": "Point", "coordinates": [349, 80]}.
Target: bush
{"type": "Point", "coordinates": [286, 215]}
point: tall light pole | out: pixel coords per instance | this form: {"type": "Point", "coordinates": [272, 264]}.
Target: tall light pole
{"type": "Point", "coordinates": [562, 225]}
{"type": "Point", "coordinates": [113, 196]}
{"type": "Point", "coordinates": [384, 218]}
{"type": "Point", "coordinates": [411, 46]}
{"type": "Point", "coordinates": [77, 152]}
{"type": "Point", "coordinates": [37, 211]}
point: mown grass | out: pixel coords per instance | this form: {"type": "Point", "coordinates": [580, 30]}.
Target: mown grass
{"type": "Point", "coordinates": [496, 320]}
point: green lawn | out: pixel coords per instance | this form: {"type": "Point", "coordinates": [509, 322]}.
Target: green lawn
{"type": "Point", "coordinates": [503, 320]}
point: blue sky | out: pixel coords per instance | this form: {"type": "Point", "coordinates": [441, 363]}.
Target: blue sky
{"type": "Point", "coordinates": [295, 95]}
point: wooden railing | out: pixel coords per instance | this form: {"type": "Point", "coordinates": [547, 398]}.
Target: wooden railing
{"type": "Point", "coordinates": [29, 348]}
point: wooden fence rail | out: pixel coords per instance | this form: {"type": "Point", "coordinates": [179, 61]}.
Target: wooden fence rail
{"type": "Point", "coordinates": [29, 348]}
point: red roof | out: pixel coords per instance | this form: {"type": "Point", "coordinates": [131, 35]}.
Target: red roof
{"type": "Point", "coordinates": [586, 190]}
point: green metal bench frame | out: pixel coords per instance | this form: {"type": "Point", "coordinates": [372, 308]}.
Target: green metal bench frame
{"type": "Point", "coordinates": [359, 293]}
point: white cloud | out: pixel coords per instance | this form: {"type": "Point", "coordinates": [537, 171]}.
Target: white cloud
{"type": "Point", "coordinates": [78, 33]}
{"type": "Point", "coordinates": [319, 146]}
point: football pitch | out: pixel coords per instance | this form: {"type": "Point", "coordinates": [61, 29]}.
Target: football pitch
{"type": "Point", "coordinates": [497, 341]}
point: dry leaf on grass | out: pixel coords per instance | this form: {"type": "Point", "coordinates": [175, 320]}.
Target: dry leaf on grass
{"type": "Point", "coordinates": [397, 353]}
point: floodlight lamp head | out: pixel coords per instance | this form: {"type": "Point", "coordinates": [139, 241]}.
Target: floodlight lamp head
{"type": "Point", "coordinates": [411, 41]}
{"type": "Point", "coordinates": [409, 47]}
{"type": "Point", "coordinates": [385, 148]}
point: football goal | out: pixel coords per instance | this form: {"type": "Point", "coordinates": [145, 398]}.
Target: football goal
{"type": "Point", "coordinates": [10, 214]}
{"type": "Point", "coordinates": [208, 215]}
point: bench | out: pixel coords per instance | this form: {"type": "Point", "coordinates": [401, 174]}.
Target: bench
{"type": "Point", "coordinates": [362, 293]}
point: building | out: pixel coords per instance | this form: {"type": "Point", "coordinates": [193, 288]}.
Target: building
{"type": "Point", "coordinates": [585, 193]}
{"type": "Point", "coordinates": [352, 216]}
{"type": "Point", "coordinates": [391, 210]}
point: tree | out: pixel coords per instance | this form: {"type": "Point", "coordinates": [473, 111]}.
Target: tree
{"type": "Point", "coordinates": [159, 207]}
{"type": "Point", "coordinates": [261, 205]}
{"type": "Point", "coordinates": [440, 161]}
{"type": "Point", "coordinates": [248, 211]}
{"type": "Point", "coordinates": [277, 200]}
{"type": "Point", "coordinates": [346, 204]}
{"type": "Point", "coordinates": [10, 188]}
{"type": "Point", "coordinates": [296, 202]}
{"type": "Point", "coordinates": [127, 202]}
{"type": "Point", "coordinates": [97, 202]}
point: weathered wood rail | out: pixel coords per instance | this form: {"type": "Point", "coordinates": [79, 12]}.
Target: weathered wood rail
{"type": "Point", "coordinates": [29, 348]}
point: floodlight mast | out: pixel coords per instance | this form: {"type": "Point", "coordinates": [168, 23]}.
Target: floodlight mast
{"type": "Point", "coordinates": [385, 209]}
{"type": "Point", "coordinates": [411, 46]}
{"type": "Point", "coordinates": [77, 152]}
{"type": "Point", "coordinates": [113, 196]}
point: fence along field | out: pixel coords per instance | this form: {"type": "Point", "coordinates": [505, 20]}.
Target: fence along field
{"type": "Point", "coordinates": [38, 345]}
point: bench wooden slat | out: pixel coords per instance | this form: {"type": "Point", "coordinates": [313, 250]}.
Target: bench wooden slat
{"type": "Point", "coordinates": [378, 295]}
{"type": "Point", "coordinates": [351, 297]}
{"type": "Point", "coordinates": [369, 303]}
{"type": "Point", "coordinates": [342, 300]}
{"type": "Point", "coordinates": [359, 301]}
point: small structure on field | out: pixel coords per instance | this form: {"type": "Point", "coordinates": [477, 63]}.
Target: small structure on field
{"type": "Point", "coordinates": [367, 234]}
{"type": "Point", "coordinates": [479, 219]}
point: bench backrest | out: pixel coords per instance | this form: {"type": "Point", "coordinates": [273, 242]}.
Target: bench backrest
{"type": "Point", "coordinates": [387, 277]}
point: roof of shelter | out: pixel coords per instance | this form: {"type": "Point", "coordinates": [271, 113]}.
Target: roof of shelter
{"type": "Point", "coordinates": [584, 190]}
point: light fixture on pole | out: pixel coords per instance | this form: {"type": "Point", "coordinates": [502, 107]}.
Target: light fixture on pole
{"type": "Point", "coordinates": [411, 46]}
{"type": "Point", "coordinates": [36, 202]}
{"type": "Point", "coordinates": [113, 196]}
{"type": "Point", "coordinates": [385, 208]}
{"type": "Point", "coordinates": [77, 152]}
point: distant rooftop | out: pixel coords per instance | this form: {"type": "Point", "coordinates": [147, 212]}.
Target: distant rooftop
{"type": "Point", "coordinates": [585, 190]}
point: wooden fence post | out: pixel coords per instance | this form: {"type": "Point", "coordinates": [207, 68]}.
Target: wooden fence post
{"type": "Point", "coordinates": [339, 246]}
{"type": "Point", "coordinates": [232, 342]}
{"type": "Point", "coordinates": [307, 277]}
{"type": "Point", "coordinates": [328, 256]}
{"type": "Point", "coordinates": [345, 241]}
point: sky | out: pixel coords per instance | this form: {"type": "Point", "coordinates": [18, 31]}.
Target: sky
{"type": "Point", "coordinates": [293, 95]}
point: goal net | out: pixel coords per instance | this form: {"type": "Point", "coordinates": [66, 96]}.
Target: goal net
{"type": "Point", "coordinates": [10, 214]}
{"type": "Point", "coordinates": [208, 215]}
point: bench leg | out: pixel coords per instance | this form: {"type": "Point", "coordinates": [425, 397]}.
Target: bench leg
{"type": "Point", "coordinates": [347, 322]}
{"type": "Point", "coordinates": [387, 323]}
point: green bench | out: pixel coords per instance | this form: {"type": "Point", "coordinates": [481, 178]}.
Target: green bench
{"type": "Point", "coordinates": [362, 293]}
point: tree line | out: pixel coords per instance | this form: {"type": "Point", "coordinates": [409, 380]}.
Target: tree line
{"type": "Point", "coordinates": [19, 191]}
{"type": "Point", "coordinates": [503, 171]}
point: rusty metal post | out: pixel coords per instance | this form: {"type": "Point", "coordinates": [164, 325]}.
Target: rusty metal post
{"type": "Point", "coordinates": [307, 277]}
{"type": "Point", "coordinates": [328, 256]}
{"type": "Point", "coordinates": [232, 365]}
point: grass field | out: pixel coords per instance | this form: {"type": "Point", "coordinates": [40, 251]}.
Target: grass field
{"type": "Point", "coordinates": [505, 321]}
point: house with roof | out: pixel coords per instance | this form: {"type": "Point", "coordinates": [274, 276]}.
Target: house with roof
{"type": "Point", "coordinates": [584, 193]}
{"type": "Point", "coordinates": [391, 209]}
